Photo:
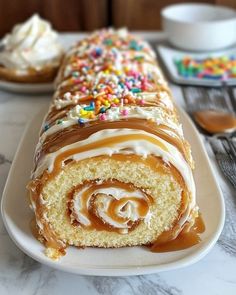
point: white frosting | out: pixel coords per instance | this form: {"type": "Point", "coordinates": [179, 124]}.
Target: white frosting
{"type": "Point", "coordinates": [82, 218]}
{"type": "Point", "coordinates": [166, 100]}
{"type": "Point", "coordinates": [115, 113]}
{"type": "Point", "coordinates": [148, 97]}
{"type": "Point", "coordinates": [141, 147]}
{"type": "Point", "coordinates": [32, 44]}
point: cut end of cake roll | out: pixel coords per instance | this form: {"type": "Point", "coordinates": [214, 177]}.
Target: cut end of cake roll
{"type": "Point", "coordinates": [112, 167]}
{"type": "Point", "coordinates": [114, 201]}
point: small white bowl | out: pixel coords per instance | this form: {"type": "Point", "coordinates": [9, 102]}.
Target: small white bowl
{"type": "Point", "coordinates": [199, 27]}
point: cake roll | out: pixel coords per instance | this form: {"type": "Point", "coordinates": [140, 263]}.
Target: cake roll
{"type": "Point", "coordinates": [112, 168]}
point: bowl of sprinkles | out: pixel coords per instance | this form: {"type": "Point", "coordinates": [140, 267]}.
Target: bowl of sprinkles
{"type": "Point", "coordinates": [217, 68]}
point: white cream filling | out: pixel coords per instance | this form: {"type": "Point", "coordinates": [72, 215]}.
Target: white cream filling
{"type": "Point", "coordinates": [77, 206]}
{"type": "Point", "coordinates": [130, 212]}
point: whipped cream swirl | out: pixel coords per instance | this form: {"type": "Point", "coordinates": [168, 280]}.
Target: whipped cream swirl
{"type": "Point", "coordinates": [115, 206]}
{"type": "Point", "coordinates": [32, 44]}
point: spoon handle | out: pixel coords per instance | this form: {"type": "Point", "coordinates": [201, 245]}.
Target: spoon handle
{"type": "Point", "coordinates": [225, 157]}
{"type": "Point", "coordinates": [229, 90]}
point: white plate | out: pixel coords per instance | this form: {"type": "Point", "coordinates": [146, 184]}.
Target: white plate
{"type": "Point", "coordinates": [168, 55]}
{"type": "Point", "coordinates": [34, 88]}
{"type": "Point", "coordinates": [39, 88]}
{"type": "Point", "coordinates": [110, 262]}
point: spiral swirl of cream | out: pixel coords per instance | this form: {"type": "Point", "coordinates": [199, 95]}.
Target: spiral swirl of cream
{"type": "Point", "coordinates": [109, 206]}
{"type": "Point", "coordinates": [32, 44]}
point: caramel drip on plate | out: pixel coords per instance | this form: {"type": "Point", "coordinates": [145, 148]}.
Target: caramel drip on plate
{"type": "Point", "coordinates": [166, 242]}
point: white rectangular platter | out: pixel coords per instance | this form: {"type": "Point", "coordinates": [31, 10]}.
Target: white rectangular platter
{"type": "Point", "coordinates": [110, 262]}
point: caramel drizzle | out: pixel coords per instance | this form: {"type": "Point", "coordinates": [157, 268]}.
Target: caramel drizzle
{"type": "Point", "coordinates": [76, 133]}
{"type": "Point", "coordinates": [107, 142]}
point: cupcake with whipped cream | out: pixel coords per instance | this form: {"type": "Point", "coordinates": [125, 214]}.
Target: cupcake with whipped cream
{"type": "Point", "coordinates": [31, 53]}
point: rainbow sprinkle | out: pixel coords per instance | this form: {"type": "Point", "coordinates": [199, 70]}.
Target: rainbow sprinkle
{"type": "Point", "coordinates": [217, 68]}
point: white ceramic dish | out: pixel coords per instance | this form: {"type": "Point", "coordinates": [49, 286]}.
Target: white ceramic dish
{"type": "Point", "coordinates": [35, 88]}
{"type": "Point", "coordinates": [199, 26]}
{"type": "Point", "coordinates": [110, 262]}
{"type": "Point", "coordinates": [168, 55]}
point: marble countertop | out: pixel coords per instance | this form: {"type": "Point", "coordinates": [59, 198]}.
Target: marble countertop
{"type": "Point", "coordinates": [19, 274]}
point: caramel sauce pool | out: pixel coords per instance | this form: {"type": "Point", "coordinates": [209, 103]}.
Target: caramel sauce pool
{"type": "Point", "coordinates": [215, 121]}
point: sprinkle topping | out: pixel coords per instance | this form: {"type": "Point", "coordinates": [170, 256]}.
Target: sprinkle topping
{"type": "Point", "coordinates": [109, 70]}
